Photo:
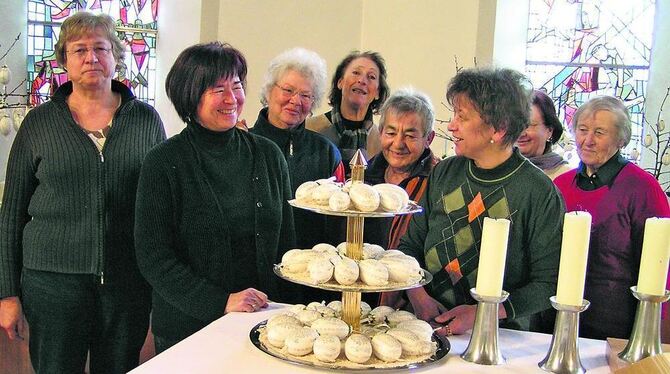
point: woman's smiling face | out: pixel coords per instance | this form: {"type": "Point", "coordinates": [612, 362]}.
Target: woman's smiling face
{"type": "Point", "coordinates": [472, 136]}
{"type": "Point", "coordinates": [533, 139]}
{"type": "Point", "coordinates": [221, 105]}
{"type": "Point", "coordinates": [360, 83]}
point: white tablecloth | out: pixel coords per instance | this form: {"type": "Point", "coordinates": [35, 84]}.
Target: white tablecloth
{"type": "Point", "coordinates": [224, 347]}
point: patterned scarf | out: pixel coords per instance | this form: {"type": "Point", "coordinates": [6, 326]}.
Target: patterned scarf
{"type": "Point", "coordinates": [548, 160]}
{"type": "Point", "coordinates": [350, 139]}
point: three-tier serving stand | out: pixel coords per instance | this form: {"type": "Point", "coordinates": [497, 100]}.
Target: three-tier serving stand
{"type": "Point", "coordinates": [351, 295]}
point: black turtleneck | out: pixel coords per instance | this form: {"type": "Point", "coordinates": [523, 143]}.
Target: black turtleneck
{"type": "Point", "coordinates": [227, 163]}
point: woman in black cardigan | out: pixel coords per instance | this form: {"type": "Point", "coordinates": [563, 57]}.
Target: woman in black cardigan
{"type": "Point", "coordinates": [212, 211]}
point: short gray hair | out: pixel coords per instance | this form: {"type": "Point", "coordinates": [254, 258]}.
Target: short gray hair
{"type": "Point", "coordinates": [408, 100]}
{"type": "Point", "coordinates": [610, 104]}
{"type": "Point", "coordinates": [308, 63]}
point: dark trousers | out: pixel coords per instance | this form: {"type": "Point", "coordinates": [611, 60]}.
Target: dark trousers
{"type": "Point", "coordinates": [70, 314]}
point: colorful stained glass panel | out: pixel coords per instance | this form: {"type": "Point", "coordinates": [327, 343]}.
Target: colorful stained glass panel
{"type": "Point", "coordinates": [578, 49]}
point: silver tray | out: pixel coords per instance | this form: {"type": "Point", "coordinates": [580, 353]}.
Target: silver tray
{"type": "Point", "coordinates": [412, 207]}
{"type": "Point", "coordinates": [331, 285]}
{"type": "Point", "coordinates": [443, 347]}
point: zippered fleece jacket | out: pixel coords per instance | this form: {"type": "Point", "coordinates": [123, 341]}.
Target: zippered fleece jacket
{"type": "Point", "coordinates": [309, 156]}
{"type": "Point", "coordinates": [67, 207]}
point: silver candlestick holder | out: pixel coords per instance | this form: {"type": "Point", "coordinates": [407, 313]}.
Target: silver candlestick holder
{"type": "Point", "coordinates": [645, 339]}
{"type": "Point", "coordinates": [483, 347]}
{"type": "Point", "coordinates": [563, 356]}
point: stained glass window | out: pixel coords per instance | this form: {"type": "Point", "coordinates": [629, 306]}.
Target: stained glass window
{"type": "Point", "coordinates": [578, 49]}
{"type": "Point", "coordinates": [136, 22]}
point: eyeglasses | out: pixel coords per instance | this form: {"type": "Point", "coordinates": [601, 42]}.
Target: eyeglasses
{"type": "Point", "coordinates": [83, 52]}
{"type": "Point", "coordinates": [288, 93]}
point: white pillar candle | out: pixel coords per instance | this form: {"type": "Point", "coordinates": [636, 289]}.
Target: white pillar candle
{"type": "Point", "coordinates": [574, 255]}
{"type": "Point", "coordinates": [492, 255]}
{"type": "Point", "coordinates": [655, 255]}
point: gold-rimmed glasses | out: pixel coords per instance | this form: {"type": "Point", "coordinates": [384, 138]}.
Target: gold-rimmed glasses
{"type": "Point", "coordinates": [81, 52]}
{"type": "Point", "coordinates": [289, 92]}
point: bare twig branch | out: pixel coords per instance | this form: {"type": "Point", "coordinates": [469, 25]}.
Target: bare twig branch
{"type": "Point", "coordinates": [11, 93]}
{"type": "Point", "coordinates": [662, 140]}
{"type": "Point", "coordinates": [11, 46]}
{"type": "Point", "coordinates": [442, 134]}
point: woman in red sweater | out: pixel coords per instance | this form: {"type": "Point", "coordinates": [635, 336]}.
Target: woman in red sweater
{"type": "Point", "coordinates": [620, 196]}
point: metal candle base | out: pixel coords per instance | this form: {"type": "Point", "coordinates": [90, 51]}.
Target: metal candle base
{"type": "Point", "coordinates": [483, 347]}
{"type": "Point", "coordinates": [645, 339]}
{"type": "Point", "coordinates": [563, 356]}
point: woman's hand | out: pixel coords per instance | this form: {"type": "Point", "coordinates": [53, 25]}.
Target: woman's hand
{"type": "Point", "coordinates": [393, 299]}
{"type": "Point", "coordinates": [249, 300]}
{"type": "Point", "coordinates": [11, 317]}
{"type": "Point", "coordinates": [458, 320]}
{"type": "Point", "coordinates": [425, 307]}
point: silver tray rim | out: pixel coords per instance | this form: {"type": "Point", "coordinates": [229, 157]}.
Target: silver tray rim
{"type": "Point", "coordinates": [427, 278]}
{"type": "Point", "coordinates": [411, 208]}
{"type": "Point", "coordinates": [443, 347]}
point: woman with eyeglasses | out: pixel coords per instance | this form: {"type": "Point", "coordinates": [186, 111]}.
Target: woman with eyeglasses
{"type": "Point", "coordinates": [543, 131]}
{"type": "Point", "coordinates": [67, 254]}
{"type": "Point", "coordinates": [294, 84]}
{"type": "Point", "coordinates": [358, 90]}
{"type": "Point", "coordinates": [212, 203]}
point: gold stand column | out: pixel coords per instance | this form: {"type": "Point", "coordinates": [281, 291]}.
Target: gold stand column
{"type": "Point", "coordinates": [351, 300]}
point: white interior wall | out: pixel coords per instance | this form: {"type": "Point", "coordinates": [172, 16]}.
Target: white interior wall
{"type": "Point", "coordinates": [420, 42]}
{"type": "Point", "coordinates": [262, 29]}
{"type": "Point", "coordinates": [509, 46]}
{"type": "Point", "coordinates": [179, 26]}
{"type": "Point", "coordinates": [417, 39]}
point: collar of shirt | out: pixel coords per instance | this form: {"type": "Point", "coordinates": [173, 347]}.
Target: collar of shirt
{"type": "Point", "coordinates": [604, 176]}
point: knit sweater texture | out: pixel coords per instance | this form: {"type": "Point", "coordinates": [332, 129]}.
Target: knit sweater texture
{"type": "Point", "coordinates": [619, 212]}
{"type": "Point", "coordinates": [68, 207]}
{"type": "Point", "coordinates": [183, 234]}
{"type": "Point", "coordinates": [310, 156]}
{"type": "Point", "coordinates": [446, 238]}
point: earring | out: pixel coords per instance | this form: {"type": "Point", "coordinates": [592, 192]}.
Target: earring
{"type": "Point", "coordinates": [549, 140]}
{"type": "Point", "coordinates": [491, 141]}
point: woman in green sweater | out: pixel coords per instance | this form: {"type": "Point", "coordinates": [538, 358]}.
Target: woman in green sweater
{"type": "Point", "coordinates": [67, 254]}
{"type": "Point", "coordinates": [212, 211]}
{"type": "Point", "coordinates": [486, 178]}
